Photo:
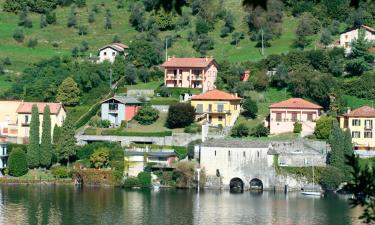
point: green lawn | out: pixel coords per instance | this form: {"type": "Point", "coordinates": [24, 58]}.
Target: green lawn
{"type": "Point", "coordinates": [354, 102]}
{"type": "Point", "coordinates": [150, 85]}
{"type": "Point", "coordinates": [158, 125]}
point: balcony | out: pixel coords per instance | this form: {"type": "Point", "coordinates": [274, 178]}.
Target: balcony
{"type": "Point", "coordinates": [25, 124]}
{"type": "Point", "coordinates": [196, 77]}
{"type": "Point", "coordinates": [368, 126]}
{"type": "Point", "coordinates": [173, 77]}
{"type": "Point", "coordinates": [213, 111]}
{"type": "Point", "coordinates": [113, 110]}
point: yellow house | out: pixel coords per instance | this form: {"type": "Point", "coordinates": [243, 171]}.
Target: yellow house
{"type": "Point", "coordinates": [360, 123]}
{"type": "Point", "coordinates": [217, 108]}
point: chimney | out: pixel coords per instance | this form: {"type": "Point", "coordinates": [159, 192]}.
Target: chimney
{"type": "Point", "coordinates": [348, 110]}
{"type": "Point", "coordinates": [169, 58]}
{"type": "Point", "coordinates": [235, 95]}
{"type": "Point", "coordinates": [206, 58]}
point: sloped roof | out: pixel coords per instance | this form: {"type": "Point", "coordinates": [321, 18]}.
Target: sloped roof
{"type": "Point", "coordinates": [357, 27]}
{"type": "Point", "coordinates": [215, 95]}
{"type": "Point", "coordinates": [295, 103]}
{"type": "Point", "coordinates": [364, 111]}
{"type": "Point", "coordinates": [189, 62]}
{"type": "Point", "coordinates": [124, 99]}
{"type": "Point", "coordinates": [115, 46]}
{"type": "Point", "coordinates": [25, 107]}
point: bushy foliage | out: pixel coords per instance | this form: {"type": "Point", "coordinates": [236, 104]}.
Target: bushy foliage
{"type": "Point", "coordinates": [331, 178]}
{"type": "Point", "coordinates": [144, 179]}
{"type": "Point", "coordinates": [250, 108]}
{"type": "Point", "coordinates": [68, 92]}
{"type": "Point", "coordinates": [297, 127]}
{"type": "Point", "coordinates": [147, 115]}
{"type": "Point", "coordinates": [17, 163]}
{"type": "Point", "coordinates": [323, 127]}
{"type": "Point", "coordinates": [60, 172]}
{"type": "Point", "coordinates": [33, 150]}
{"type": "Point", "coordinates": [131, 182]}
{"type": "Point", "coordinates": [100, 158]}
{"type": "Point", "coordinates": [260, 131]}
{"type": "Point", "coordinates": [193, 128]}
{"type": "Point", "coordinates": [180, 115]}
{"type": "Point", "coordinates": [146, 53]}
{"type": "Point", "coordinates": [18, 35]}
{"type": "Point", "coordinates": [240, 130]}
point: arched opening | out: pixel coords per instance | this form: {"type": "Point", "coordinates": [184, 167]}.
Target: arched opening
{"type": "Point", "coordinates": [256, 184]}
{"type": "Point", "coordinates": [236, 185]}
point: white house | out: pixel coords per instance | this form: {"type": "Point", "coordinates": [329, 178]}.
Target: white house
{"type": "Point", "coordinates": [3, 155]}
{"type": "Point", "coordinates": [347, 37]}
{"type": "Point", "coordinates": [109, 52]}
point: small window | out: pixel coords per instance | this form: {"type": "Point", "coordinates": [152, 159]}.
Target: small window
{"type": "Point", "coordinates": [346, 36]}
{"type": "Point", "coordinates": [199, 108]}
{"type": "Point", "coordinates": [356, 134]}
{"type": "Point", "coordinates": [244, 154]}
{"type": "Point", "coordinates": [368, 134]}
{"type": "Point", "coordinates": [229, 153]}
{"type": "Point", "coordinates": [215, 153]}
{"type": "Point", "coordinates": [294, 117]}
{"type": "Point", "coordinates": [356, 122]}
{"type": "Point", "coordinates": [113, 53]}
{"type": "Point", "coordinates": [309, 117]}
{"type": "Point", "coordinates": [235, 107]}
{"type": "Point", "coordinates": [220, 107]}
{"type": "Point", "coordinates": [368, 124]}
{"type": "Point", "coordinates": [105, 53]}
{"type": "Point", "coordinates": [278, 117]}
{"type": "Point", "coordinates": [258, 154]}
{"type": "Point", "coordinates": [220, 118]}
{"type": "Point", "coordinates": [26, 119]}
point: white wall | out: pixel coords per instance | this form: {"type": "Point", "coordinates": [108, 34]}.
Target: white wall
{"type": "Point", "coordinates": [107, 54]}
{"type": "Point", "coordinates": [347, 37]}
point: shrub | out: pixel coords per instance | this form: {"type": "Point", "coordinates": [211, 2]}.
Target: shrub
{"type": "Point", "coordinates": [240, 130]}
{"type": "Point", "coordinates": [17, 163]}
{"type": "Point", "coordinates": [131, 182]}
{"type": "Point", "coordinates": [82, 30]}
{"type": "Point", "coordinates": [100, 158]}
{"type": "Point", "coordinates": [331, 178]}
{"type": "Point", "coordinates": [60, 172]}
{"type": "Point", "coordinates": [250, 107]}
{"type": "Point", "coordinates": [190, 148]}
{"type": "Point", "coordinates": [180, 115]}
{"type": "Point", "coordinates": [164, 92]}
{"type": "Point", "coordinates": [32, 43]}
{"type": "Point", "coordinates": [18, 35]}
{"type": "Point", "coordinates": [118, 132]}
{"type": "Point", "coordinates": [260, 131]}
{"type": "Point", "coordinates": [323, 127]}
{"type": "Point", "coordinates": [193, 128]}
{"type": "Point", "coordinates": [297, 127]}
{"type": "Point", "coordinates": [147, 115]}
{"type": "Point", "coordinates": [144, 179]}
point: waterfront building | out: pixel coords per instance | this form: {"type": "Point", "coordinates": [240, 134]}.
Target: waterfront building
{"type": "Point", "coordinates": [119, 108]}
{"type": "Point", "coordinates": [217, 108]}
{"type": "Point", "coordinates": [3, 155]}
{"type": "Point", "coordinates": [284, 114]}
{"type": "Point", "coordinates": [190, 72]}
{"type": "Point", "coordinates": [360, 123]}
{"type": "Point", "coordinates": [111, 51]}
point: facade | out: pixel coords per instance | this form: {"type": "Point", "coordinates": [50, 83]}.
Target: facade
{"type": "Point", "coordinates": [284, 114]}
{"type": "Point", "coordinates": [361, 123]}
{"type": "Point", "coordinates": [109, 52]}
{"type": "Point", "coordinates": [217, 108]}
{"type": "Point", "coordinates": [136, 161]}
{"type": "Point", "coordinates": [347, 37]}
{"type": "Point", "coordinates": [3, 155]}
{"type": "Point", "coordinates": [15, 118]}
{"type": "Point", "coordinates": [190, 73]}
{"type": "Point", "coordinates": [119, 108]}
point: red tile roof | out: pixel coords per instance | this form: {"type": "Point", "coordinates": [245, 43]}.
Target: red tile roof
{"type": "Point", "coordinates": [364, 111]}
{"type": "Point", "coordinates": [216, 95]}
{"type": "Point", "coordinates": [25, 107]}
{"type": "Point", "coordinates": [295, 103]}
{"type": "Point", "coordinates": [188, 62]}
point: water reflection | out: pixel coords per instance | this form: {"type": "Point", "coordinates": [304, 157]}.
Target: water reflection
{"type": "Point", "coordinates": [70, 205]}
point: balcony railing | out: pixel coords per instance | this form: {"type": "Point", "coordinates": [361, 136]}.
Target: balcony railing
{"type": "Point", "coordinates": [368, 127]}
{"type": "Point", "coordinates": [213, 111]}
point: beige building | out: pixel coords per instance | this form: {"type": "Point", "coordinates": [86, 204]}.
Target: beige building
{"type": "Point", "coordinates": [190, 72]}
{"type": "Point", "coordinates": [360, 123]}
{"type": "Point", "coordinates": [15, 118]}
{"type": "Point", "coordinates": [349, 36]}
{"type": "Point", "coordinates": [284, 114]}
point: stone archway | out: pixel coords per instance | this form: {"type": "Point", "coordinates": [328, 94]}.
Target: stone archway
{"type": "Point", "coordinates": [236, 185]}
{"type": "Point", "coordinates": [256, 184]}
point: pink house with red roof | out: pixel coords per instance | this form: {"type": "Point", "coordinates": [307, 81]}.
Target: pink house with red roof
{"type": "Point", "coordinates": [190, 72]}
{"type": "Point", "coordinates": [284, 114]}
{"type": "Point", "coordinates": [15, 118]}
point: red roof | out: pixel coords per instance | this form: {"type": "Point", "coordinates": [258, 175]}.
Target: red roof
{"type": "Point", "coordinates": [25, 107]}
{"type": "Point", "coordinates": [216, 95]}
{"type": "Point", "coordinates": [188, 62]}
{"type": "Point", "coordinates": [364, 111]}
{"type": "Point", "coordinates": [295, 103]}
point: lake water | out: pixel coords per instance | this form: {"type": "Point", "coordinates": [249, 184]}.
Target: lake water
{"type": "Point", "coordinates": [70, 205]}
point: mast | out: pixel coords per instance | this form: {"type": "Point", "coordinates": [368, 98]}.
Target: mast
{"type": "Point", "coordinates": [312, 162]}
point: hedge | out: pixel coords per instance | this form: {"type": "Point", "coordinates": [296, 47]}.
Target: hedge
{"type": "Point", "coordinates": [117, 132]}
{"type": "Point", "coordinates": [17, 164]}
{"type": "Point", "coordinates": [86, 117]}
{"type": "Point", "coordinates": [90, 131]}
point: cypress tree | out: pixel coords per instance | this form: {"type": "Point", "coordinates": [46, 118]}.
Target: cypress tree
{"type": "Point", "coordinates": [46, 145]}
{"type": "Point", "coordinates": [33, 151]}
{"type": "Point", "coordinates": [347, 151]}
{"type": "Point", "coordinates": [336, 158]}
{"type": "Point", "coordinates": [56, 134]}
{"type": "Point", "coordinates": [66, 146]}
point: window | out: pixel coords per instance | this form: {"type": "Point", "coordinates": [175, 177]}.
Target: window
{"type": "Point", "coordinates": [309, 117]}
{"type": "Point", "coordinates": [175, 72]}
{"type": "Point", "coordinates": [229, 153]}
{"type": "Point", "coordinates": [346, 44]}
{"type": "Point", "coordinates": [215, 152]}
{"type": "Point", "coordinates": [368, 124]}
{"type": "Point", "coordinates": [220, 107]}
{"type": "Point", "coordinates": [26, 119]}
{"type": "Point", "coordinates": [346, 36]}
{"type": "Point", "coordinates": [356, 122]}
{"type": "Point", "coordinates": [356, 134]}
{"type": "Point", "coordinates": [278, 117]}
{"type": "Point", "coordinates": [113, 106]}
{"type": "Point", "coordinates": [210, 108]}
{"type": "Point", "coordinates": [368, 134]}
{"type": "Point", "coordinates": [258, 154]}
{"type": "Point", "coordinates": [244, 154]}
{"type": "Point", "coordinates": [220, 118]}
{"type": "Point", "coordinates": [294, 116]}
{"type": "Point", "coordinates": [199, 108]}
{"type": "Point", "coordinates": [235, 107]}
{"type": "Point", "coordinates": [195, 72]}
{"type": "Point", "coordinates": [113, 53]}
{"type": "Point", "coordinates": [105, 53]}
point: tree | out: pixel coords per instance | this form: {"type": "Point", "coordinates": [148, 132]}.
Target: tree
{"type": "Point", "coordinates": [180, 115]}
{"type": "Point", "coordinates": [68, 92]}
{"type": "Point", "coordinates": [331, 178]}
{"type": "Point", "coordinates": [72, 19]}
{"type": "Point", "coordinates": [82, 30]}
{"type": "Point", "coordinates": [136, 17]}
{"type": "Point", "coordinates": [143, 74]}
{"type": "Point", "coordinates": [240, 130]}
{"type": "Point", "coordinates": [91, 18]}
{"type": "Point", "coordinates": [32, 43]}
{"type": "Point", "coordinates": [80, 3]}
{"type": "Point", "coordinates": [323, 127]}
{"type": "Point", "coordinates": [108, 23]}
{"type": "Point", "coordinates": [43, 21]}
{"type": "Point", "coordinates": [250, 108]}
{"type": "Point", "coordinates": [326, 38]}
{"type": "Point", "coordinates": [116, 39]}
{"type": "Point", "coordinates": [260, 131]}
{"type": "Point", "coordinates": [130, 74]}
{"type": "Point", "coordinates": [145, 53]}
{"type": "Point", "coordinates": [17, 163]}
{"type": "Point", "coordinates": [120, 4]}
{"type": "Point", "coordinates": [100, 158]}
{"type": "Point", "coordinates": [33, 150]}
{"type": "Point", "coordinates": [147, 115]}
{"type": "Point", "coordinates": [66, 148]}
{"type": "Point", "coordinates": [347, 151]}
{"type": "Point", "coordinates": [297, 127]}
{"type": "Point", "coordinates": [75, 52]}
{"type": "Point", "coordinates": [46, 143]}
{"type": "Point", "coordinates": [18, 35]}
{"type": "Point", "coordinates": [56, 134]}
{"type": "Point", "coordinates": [24, 20]}
{"type": "Point", "coordinates": [360, 59]}
{"type": "Point", "coordinates": [236, 37]}
{"type": "Point", "coordinates": [203, 43]}
{"type": "Point", "coordinates": [51, 17]}
{"type": "Point", "coordinates": [280, 78]}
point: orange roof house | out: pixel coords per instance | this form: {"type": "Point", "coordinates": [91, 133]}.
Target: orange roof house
{"type": "Point", "coordinates": [284, 114]}
{"type": "Point", "coordinates": [25, 107]}
{"type": "Point", "coordinates": [190, 72]}
{"type": "Point", "coordinates": [216, 95]}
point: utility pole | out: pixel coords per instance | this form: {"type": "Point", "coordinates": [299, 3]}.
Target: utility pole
{"type": "Point", "coordinates": [110, 78]}
{"type": "Point", "coordinates": [166, 48]}
{"type": "Point", "coordinates": [262, 44]}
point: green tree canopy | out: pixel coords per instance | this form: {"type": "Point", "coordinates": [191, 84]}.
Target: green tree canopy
{"type": "Point", "coordinates": [66, 148]}
{"type": "Point", "coordinates": [180, 115]}
{"type": "Point", "coordinates": [33, 150]}
{"type": "Point", "coordinates": [46, 143]}
{"type": "Point", "coordinates": [250, 108]}
{"type": "Point", "coordinates": [147, 115]}
{"type": "Point", "coordinates": [68, 92]}
{"type": "Point", "coordinates": [17, 163]}
{"type": "Point", "coordinates": [323, 127]}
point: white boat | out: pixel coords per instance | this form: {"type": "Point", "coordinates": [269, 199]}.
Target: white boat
{"type": "Point", "coordinates": [313, 192]}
